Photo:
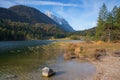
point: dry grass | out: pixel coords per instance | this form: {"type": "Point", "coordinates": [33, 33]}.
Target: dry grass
{"type": "Point", "coordinates": [88, 49]}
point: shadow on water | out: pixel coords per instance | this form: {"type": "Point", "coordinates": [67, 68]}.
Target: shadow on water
{"type": "Point", "coordinates": [58, 73]}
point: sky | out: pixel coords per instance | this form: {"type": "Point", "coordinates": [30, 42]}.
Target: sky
{"type": "Point", "coordinates": [80, 14]}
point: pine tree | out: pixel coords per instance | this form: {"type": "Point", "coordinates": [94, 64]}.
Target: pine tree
{"type": "Point", "coordinates": [117, 25]}
{"type": "Point", "coordinates": [114, 13]}
{"type": "Point", "coordinates": [103, 13]}
{"type": "Point", "coordinates": [100, 31]}
{"type": "Point", "coordinates": [108, 27]}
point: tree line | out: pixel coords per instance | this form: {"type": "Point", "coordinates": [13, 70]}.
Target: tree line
{"type": "Point", "coordinates": [108, 26]}
{"type": "Point", "coordinates": [10, 30]}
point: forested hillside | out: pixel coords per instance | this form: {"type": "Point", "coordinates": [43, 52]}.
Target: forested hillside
{"type": "Point", "coordinates": [87, 32]}
{"type": "Point", "coordinates": [26, 23]}
{"type": "Point", "coordinates": [31, 14]}
{"type": "Point", "coordinates": [10, 30]}
{"type": "Point", "coordinates": [8, 14]}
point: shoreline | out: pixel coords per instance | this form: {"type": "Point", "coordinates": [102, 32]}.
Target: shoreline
{"type": "Point", "coordinates": [105, 56]}
{"type": "Point", "coordinates": [108, 68]}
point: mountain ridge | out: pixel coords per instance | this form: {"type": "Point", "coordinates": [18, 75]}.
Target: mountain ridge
{"type": "Point", "coordinates": [61, 21]}
{"type": "Point", "coordinates": [23, 23]}
{"type": "Point", "coordinates": [33, 15]}
{"type": "Point", "coordinates": [8, 14]}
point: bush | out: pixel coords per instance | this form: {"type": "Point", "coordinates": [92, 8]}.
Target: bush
{"type": "Point", "coordinates": [59, 36]}
{"type": "Point", "coordinates": [74, 37]}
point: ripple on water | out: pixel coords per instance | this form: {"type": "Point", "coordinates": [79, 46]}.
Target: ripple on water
{"type": "Point", "coordinates": [68, 70]}
{"type": "Point", "coordinates": [74, 70]}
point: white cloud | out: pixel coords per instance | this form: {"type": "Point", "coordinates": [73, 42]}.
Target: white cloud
{"type": "Point", "coordinates": [85, 16]}
{"type": "Point", "coordinates": [51, 3]}
{"type": "Point", "coordinates": [80, 18]}
{"type": "Point", "coordinates": [6, 3]}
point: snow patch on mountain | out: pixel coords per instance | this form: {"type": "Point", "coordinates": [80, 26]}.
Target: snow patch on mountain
{"type": "Point", "coordinates": [61, 21]}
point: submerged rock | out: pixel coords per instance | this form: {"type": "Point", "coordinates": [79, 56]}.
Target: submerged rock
{"type": "Point", "coordinates": [11, 76]}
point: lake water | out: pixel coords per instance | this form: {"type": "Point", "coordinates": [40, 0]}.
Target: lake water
{"type": "Point", "coordinates": [25, 59]}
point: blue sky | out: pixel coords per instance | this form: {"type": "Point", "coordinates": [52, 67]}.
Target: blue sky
{"type": "Point", "coordinates": [81, 14]}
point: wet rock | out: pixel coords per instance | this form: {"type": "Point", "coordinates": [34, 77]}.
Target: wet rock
{"type": "Point", "coordinates": [11, 76]}
{"type": "Point", "coordinates": [100, 53]}
{"type": "Point", "coordinates": [116, 54]}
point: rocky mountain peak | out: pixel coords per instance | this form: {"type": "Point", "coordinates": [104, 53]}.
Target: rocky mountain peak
{"type": "Point", "coordinates": [61, 21]}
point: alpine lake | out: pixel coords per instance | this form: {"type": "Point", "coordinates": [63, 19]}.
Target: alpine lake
{"type": "Point", "coordinates": [24, 60]}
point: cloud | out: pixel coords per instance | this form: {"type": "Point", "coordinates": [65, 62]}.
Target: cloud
{"type": "Point", "coordinates": [85, 16]}
{"type": "Point", "coordinates": [46, 3]}
{"type": "Point", "coordinates": [6, 3]}
{"type": "Point", "coordinates": [81, 18]}
{"type": "Point", "coordinates": [51, 3]}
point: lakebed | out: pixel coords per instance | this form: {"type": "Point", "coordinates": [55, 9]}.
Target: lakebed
{"type": "Point", "coordinates": [24, 60]}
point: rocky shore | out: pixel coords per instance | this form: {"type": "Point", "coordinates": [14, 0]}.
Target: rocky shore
{"type": "Point", "coordinates": [108, 68]}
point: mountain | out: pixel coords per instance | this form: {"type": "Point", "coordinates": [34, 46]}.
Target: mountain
{"type": "Point", "coordinates": [32, 15]}
{"type": "Point", "coordinates": [21, 13]}
{"type": "Point", "coordinates": [62, 22]}
{"type": "Point", "coordinates": [8, 14]}
{"type": "Point", "coordinates": [22, 23]}
{"type": "Point", "coordinates": [90, 32]}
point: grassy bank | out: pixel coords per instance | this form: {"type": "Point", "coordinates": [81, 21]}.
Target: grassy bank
{"type": "Point", "coordinates": [89, 50]}
{"type": "Point", "coordinates": [105, 56]}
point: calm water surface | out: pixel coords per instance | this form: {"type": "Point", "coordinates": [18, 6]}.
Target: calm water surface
{"type": "Point", "coordinates": [25, 59]}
